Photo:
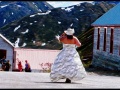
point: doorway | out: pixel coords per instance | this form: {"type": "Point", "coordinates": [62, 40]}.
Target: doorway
{"type": "Point", "coordinates": [2, 53]}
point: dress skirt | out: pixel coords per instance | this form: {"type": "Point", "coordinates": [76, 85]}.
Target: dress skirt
{"type": "Point", "coordinates": [67, 65]}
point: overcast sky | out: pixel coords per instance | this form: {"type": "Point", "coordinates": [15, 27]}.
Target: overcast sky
{"type": "Point", "coordinates": [56, 4]}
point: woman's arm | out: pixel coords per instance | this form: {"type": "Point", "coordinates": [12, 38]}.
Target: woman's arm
{"type": "Point", "coordinates": [62, 37]}
{"type": "Point", "coordinates": [57, 37]}
{"type": "Point", "coordinates": [77, 42]}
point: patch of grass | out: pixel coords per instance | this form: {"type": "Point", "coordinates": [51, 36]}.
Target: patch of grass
{"type": "Point", "coordinates": [86, 50]}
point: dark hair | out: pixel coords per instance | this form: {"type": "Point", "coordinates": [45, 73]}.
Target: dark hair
{"type": "Point", "coordinates": [69, 36]}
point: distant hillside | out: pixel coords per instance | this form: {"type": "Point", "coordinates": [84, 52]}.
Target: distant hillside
{"type": "Point", "coordinates": [86, 50]}
{"type": "Point", "coordinates": [15, 10]}
{"type": "Point", "coordinates": [39, 29]}
{"type": "Point", "coordinates": [111, 2]}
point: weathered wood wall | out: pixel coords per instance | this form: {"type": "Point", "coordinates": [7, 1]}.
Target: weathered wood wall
{"type": "Point", "coordinates": [105, 59]}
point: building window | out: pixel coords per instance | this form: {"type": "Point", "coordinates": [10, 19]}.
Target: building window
{"type": "Point", "coordinates": [111, 41]}
{"type": "Point", "coordinates": [98, 39]}
{"type": "Point", "coordinates": [104, 46]}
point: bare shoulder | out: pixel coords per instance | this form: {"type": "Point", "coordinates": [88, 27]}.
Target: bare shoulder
{"type": "Point", "coordinates": [75, 37]}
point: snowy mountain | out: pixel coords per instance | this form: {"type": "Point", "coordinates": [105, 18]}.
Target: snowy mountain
{"type": "Point", "coordinates": [38, 30]}
{"type": "Point", "coordinates": [15, 10]}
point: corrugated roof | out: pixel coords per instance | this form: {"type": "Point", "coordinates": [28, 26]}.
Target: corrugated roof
{"type": "Point", "coordinates": [110, 18]}
{"type": "Point", "coordinates": [6, 40]}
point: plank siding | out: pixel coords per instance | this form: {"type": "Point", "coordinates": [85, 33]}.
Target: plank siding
{"type": "Point", "coordinates": [38, 58]}
{"type": "Point", "coordinates": [105, 59]}
{"type": "Point", "coordinates": [9, 54]}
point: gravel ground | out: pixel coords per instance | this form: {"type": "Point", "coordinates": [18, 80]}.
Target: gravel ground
{"type": "Point", "coordinates": [101, 71]}
{"type": "Point", "coordinates": [96, 78]}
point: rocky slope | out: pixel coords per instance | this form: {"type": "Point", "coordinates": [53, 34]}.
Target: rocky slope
{"type": "Point", "coordinates": [15, 10]}
{"type": "Point", "coordinates": [38, 30]}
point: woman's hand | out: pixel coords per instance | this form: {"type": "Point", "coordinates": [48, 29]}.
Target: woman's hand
{"type": "Point", "coordinates": [63, 35]}
{"type": "Point", "coordinates": [57, 37]}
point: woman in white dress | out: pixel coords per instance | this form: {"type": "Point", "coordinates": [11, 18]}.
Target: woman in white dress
{"type": "Point", "coordinates": [67, 64]}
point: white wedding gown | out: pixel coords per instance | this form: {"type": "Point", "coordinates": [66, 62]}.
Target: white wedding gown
{"type": "Point", "coordinates": [67, 65]}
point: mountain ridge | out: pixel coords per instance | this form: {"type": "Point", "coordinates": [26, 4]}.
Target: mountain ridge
{"type": "Point", "coordinates": [15, 10]}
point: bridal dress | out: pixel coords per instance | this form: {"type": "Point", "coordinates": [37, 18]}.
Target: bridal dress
{"type": "Point", "coordinates": [67, 65]}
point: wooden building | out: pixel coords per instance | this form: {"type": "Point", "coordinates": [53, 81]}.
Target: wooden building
{"type": "Point", "coordinates": [106, 49]}
{"type": "Point", "coordinates": [39, 59]}
{"type": "Point", "coordinates": [6, 49]}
